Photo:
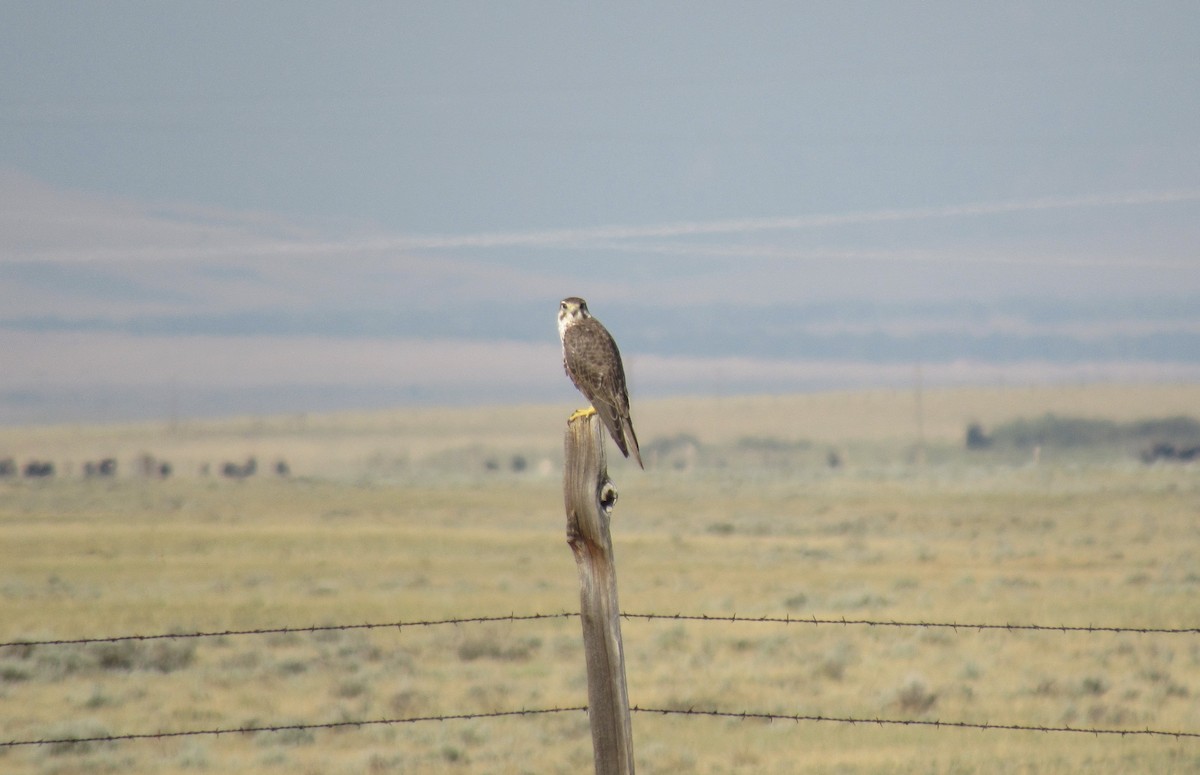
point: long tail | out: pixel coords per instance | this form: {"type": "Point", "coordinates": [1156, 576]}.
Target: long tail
{"type": "Point", "coordinates": [631, 437]}
{"type": "Point", "coordinates": [620, 429]}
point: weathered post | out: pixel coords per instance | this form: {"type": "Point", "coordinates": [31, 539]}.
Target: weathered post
{"type": "Point", "coordinates": [589, 496]}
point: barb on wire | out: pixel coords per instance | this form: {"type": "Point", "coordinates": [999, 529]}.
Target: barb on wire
{"type": "Point", "coordinates": [892, 623]}
{"type": "Point", "coordinates": [512, 617]}
{"type": "Point", "coordinates": [281, 630]}
{"type": "Point", "coordinates": [285, 727]}
{"type": "Point", "coordinates": [746, 715]}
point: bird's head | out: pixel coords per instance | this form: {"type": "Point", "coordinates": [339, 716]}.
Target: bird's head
{"type": "Point", "coordinates": [573, 307]}
{"type": "Point", "coordinates": [571, 310]}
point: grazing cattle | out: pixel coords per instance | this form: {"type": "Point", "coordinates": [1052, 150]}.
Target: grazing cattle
{"type": "Point", "coordinates": [38, 469]}
{"type": "Point", "coordinates": [236, 471]}
{"type": "Point", "coordinates": [106, 468]}
{"type": "Point", "coordinates": [8, 467]}
{"type": "Point", "coordinates": [153, 468]}
{"type": "Point", "coordinates": [282, 468]}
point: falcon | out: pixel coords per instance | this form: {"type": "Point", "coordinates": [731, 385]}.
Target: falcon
{"type": "Point", "coordinates": [593, 362]}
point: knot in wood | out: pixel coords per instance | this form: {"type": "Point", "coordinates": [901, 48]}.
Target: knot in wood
{"type": "Point", "coordinates": [607, 496]}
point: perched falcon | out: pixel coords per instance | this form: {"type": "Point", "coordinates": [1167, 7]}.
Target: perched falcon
{"type": "Point", "coordinates": [593, 363]}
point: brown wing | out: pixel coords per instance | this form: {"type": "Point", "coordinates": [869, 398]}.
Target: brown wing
{"type": "Point", "coordinates": [593, 363]}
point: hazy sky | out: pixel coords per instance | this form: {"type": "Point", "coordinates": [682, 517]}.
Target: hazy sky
{"type": "Point", "coordinates": [181, 159]}
{"type": "Point", "coordinates": [449, 118]}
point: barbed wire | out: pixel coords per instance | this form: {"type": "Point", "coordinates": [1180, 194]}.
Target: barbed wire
{"type": "Point", "coordinates": [693, 712]}
{"type": "Point", "coordinates": [283, 727]}
{"type": "Point", "coordinates": [894, 623]}
{"type": "Point", "coordinates": [513, 617]}
{"type": "Point", "coordinates": [747, 715]}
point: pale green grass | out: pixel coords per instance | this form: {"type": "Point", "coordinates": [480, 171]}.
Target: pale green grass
{"type": "Point", "coordinates": [1073, 543]}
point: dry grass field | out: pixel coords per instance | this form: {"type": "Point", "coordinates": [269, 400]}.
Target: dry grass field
{"type": "Point", "coordinates": [424, 515]}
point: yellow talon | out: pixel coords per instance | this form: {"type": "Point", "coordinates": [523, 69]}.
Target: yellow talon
{"type": "Point", "coordinates": [579, 413]}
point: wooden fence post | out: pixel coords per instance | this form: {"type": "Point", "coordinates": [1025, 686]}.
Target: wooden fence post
{"type": "Point", "coordinates": [589, 496]}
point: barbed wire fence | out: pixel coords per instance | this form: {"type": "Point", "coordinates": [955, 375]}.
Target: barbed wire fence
{"type": "Point", "coordinates": [514, 617]}
{"type": "Point", "coordinates": [692, 712]}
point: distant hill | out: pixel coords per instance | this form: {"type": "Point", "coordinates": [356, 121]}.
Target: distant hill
{"type": "Point", "coordinates": [1164, 330]}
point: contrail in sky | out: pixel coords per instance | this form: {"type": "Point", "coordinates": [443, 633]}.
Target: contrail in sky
{"type": "Point", "coordinates": [955, 256]}
{"type": "Point", "coordinates": [790, 223]}
{"type": "Point", "coordinates": [598, 237]}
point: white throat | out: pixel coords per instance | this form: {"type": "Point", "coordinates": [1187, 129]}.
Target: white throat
{"type": "Point", "coordinates": [565, 321]}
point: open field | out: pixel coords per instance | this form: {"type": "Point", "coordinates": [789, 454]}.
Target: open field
{"type": "Point", "coordinates": [407, 516]}
{"type": "Point", "coordinates": [403, 444]}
